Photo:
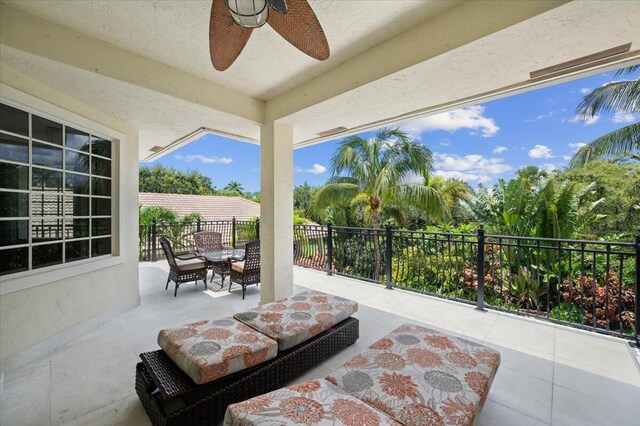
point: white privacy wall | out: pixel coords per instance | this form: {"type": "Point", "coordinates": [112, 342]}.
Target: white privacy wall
{"type": "Point", "coordinates": [37, 318]}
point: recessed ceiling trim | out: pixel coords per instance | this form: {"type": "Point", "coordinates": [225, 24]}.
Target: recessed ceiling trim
{"type": "Point", "coordinates": [584, 60]}
{"type": "Point", "coordinates": [592, 68]}
{"type": "Point", "coordinates": [190, 137]}
{"type": "Point", "coordinates": [333, 131]}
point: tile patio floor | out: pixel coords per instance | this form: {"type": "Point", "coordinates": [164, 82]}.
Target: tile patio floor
{"type": "Point", "coordinates": [549, 374]}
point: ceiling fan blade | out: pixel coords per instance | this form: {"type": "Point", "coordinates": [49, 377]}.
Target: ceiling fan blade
{"type": "Point", "coordinates": [226, 38]}
{"type": "Point", "coordinates": [300, 27]}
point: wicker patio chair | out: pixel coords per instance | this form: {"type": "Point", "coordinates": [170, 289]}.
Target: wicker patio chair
{"type": "Point", "coordinates": [212, 241]}
{"type": "Point", "coordinates": [183, 267]}
{"type": "Point", "coordinates": [246, 271]}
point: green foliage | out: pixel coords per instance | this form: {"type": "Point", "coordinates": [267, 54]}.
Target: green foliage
{"type": "Point", "coordinates": [533, 204]}
{"type": "Point", "coordinates": [613, 197]}
{"type": "Point", "coordinates": [170, 181]}
{"type": "Point", "coordinates": [192, 217]}
{"type": "Point", "coordinates": [615, 96]}
{"type": "Point", "coordinates": [234, 187]}
{"type": "Point", "coordinates": [161, 214]}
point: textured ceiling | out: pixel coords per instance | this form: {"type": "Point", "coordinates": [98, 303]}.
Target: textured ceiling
{"type": "Point", "coordinates": [176, 33]}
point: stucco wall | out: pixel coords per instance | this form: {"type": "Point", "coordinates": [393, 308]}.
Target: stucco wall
{"type": "Point", "coordinates": [39, 314]}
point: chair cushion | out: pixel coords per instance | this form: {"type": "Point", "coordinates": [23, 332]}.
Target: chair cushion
{"type": "Point", "coordinates": [310, 403]}
{"type": "Point", "coordinates": [190, 264]}
{"type": "Point", "coordinates": [208, 350]}
{"type": "Point", "coordinates": [416, 373]}
{"type": "Point", "coordinates": [238, 266]}
{"type": "Point", "coordinates": [293, 320]}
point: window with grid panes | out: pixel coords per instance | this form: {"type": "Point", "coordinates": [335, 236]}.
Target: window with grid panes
{"type": "Point", "coordinates": [55, 192]}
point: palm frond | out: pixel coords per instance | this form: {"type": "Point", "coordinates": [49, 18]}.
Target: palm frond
{"type": "Point", "coordinates": [426, 198]}
{"type": "Point", "coordinates": [335, 194]}
{"type": "Point", "coordinates": [617, 96]}
{"type": "Point", "coordinates": [626, 139]}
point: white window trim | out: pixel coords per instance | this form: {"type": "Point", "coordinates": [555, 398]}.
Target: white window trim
{"type": "Point", "coordinates": [27, 279]}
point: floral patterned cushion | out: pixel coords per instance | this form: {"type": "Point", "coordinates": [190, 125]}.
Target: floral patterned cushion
{"type": "Point", "coordinates": [311, 403]}
{"type": "Point", "coordinates": [208, 350]}
{"type": "Point", "coordinates": [293, 320]}
{"type": "Point", "coordinates": [420, 376]}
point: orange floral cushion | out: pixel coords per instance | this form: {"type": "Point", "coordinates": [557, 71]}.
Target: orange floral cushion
{"type": "Point", "coordinates": [293, 320]}
{"type": "Point", "coordinates": [311, 403]}
{"type": "Point", "coordinates": [416, 373]}
{"type": "Point", "coordinates": [208, 350]}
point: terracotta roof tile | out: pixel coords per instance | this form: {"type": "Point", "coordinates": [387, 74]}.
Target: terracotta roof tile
{"type": "Point", "coordinates": [211, 207]}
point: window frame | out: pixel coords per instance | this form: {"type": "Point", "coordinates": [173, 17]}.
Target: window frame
{"type": "Point", "coordinates": [44, 275]}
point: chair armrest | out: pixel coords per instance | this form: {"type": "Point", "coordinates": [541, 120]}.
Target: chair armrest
{"type": "Point", "coordinates": [187, 255]}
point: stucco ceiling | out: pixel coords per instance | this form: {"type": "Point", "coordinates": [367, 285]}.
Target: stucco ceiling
{"type": "Point", "coordinates": [359, 86]}
{"type": "Point", "coordinates": [494, 62]}
{"type": "Point", "coordinates": [176, 33]}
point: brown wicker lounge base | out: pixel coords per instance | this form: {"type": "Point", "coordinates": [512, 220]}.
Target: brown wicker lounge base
{"type": "Point", "coordinates": [170, 397]}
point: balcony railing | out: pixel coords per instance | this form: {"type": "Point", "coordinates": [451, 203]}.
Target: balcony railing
{"type": "Point", "coordinates": [587, 284]}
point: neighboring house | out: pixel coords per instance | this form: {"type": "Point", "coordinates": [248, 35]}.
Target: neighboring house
{"type": "Point", "coordinates": [210, 207]}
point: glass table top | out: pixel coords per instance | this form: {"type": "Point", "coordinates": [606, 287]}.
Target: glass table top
{"type": "Point", "coordinates": [222, 256]}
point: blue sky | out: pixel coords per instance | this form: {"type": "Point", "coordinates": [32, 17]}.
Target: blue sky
{"type": "Point", "coordinates": [478, 144]}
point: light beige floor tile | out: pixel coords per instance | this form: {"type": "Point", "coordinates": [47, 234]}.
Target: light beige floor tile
{"type": "Point", "coordinates": [525, 361]}
{"type": "Point", "coordinates": [28, 409]}
{"type": "Point", "coordinates": [515, 334]}
{"type": "Point", "coordinates": [91, 391]}
{"type": "Point", "coordinates": [522, 393]}
{"type": "Point", "coordinates": [494, 414]}
{"type": "Point", "coordinates": [126, 412]}
{"type": "Point", "coordinates": [574, 408]}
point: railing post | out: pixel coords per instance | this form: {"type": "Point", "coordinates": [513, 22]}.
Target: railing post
{"type": "Point", "coordinates": [638, 290]}
{"type": "Point", "coordinates": [388, 253]}
{"type": "Point", "coordinates": [233, 232]}
{"type": "Point", "coordinates": [257, 228]}
{"type": "Point", "coordinates": [153, 239]}
{"type": "Point", "coordinates": [198, 225]}
{"type": "Point", "coordinates": [480, 305]}
{"type": "Point", "coordinates": [329, 248]}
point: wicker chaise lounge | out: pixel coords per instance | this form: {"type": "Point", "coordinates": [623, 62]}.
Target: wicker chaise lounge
{"type": "Point", "coordinates": [167, 384]}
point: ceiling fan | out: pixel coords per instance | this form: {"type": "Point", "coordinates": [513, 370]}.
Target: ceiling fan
{"type": "Point", "coordinates": [232, 22]}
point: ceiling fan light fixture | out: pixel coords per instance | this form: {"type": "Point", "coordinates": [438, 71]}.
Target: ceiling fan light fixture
{"type": "Point", "coordinates": [249, 13]}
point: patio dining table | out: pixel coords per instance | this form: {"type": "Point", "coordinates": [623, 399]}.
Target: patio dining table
{"type": "Point", "coordinates": [219, 261]}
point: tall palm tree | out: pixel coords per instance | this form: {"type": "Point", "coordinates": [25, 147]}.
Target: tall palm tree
{"type": "Point", "coordinates": [616, 96]}
{"type": "Point", "coordinates": [380, 171]}
{"type": "Point", "coordinates": [234, 186]}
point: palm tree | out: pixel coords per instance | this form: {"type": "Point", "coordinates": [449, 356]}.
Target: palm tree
{"type": "Point", "coordinates": [234, 186]}
{"type": "Point", "coordinates": [616, 96]}
{"type": "Point", "coordinates": [380, 171]}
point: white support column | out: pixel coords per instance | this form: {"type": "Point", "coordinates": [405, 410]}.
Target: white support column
{"type": "Point", "coordinates": [276, 211]}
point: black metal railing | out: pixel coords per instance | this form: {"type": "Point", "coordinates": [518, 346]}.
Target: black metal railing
{"type": "Point", "coordinates": [587, 284]}
{"type": "Point", "coordinates": [235, 233]}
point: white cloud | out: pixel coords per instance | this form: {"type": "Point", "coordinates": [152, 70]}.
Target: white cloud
{"type": "Point", "coordinates": [541, 151]}
{"type": "Point", "coordinates": [576, 146]}
{"type": "Point", "coordinates": [500, 149]}
{"type": "Point", "coordinates": [587, 120]}
{"type": "Point", "coordinates": [467, 177]}
{"type": "Point", "coordinates": [474, 163]}
{"type": "Point", "coordinates": [203, 159]}
{"type": "Point", "coordinates": [464, 118]}
{"type": "Point", "coordinates": [622, 117]}
{"type": "Point", "coordinates": [445, 142]}
{"type": "Point", "coordinates": [585, 90]}
{"type": "Point", "coordinates": [540, 117]}
{"type": "Point", "coordinates": [566, 157]}
{"type": "Point", "coordinates": [549, 167]}
{"type": "Point", "coordinates": [316, 169]}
